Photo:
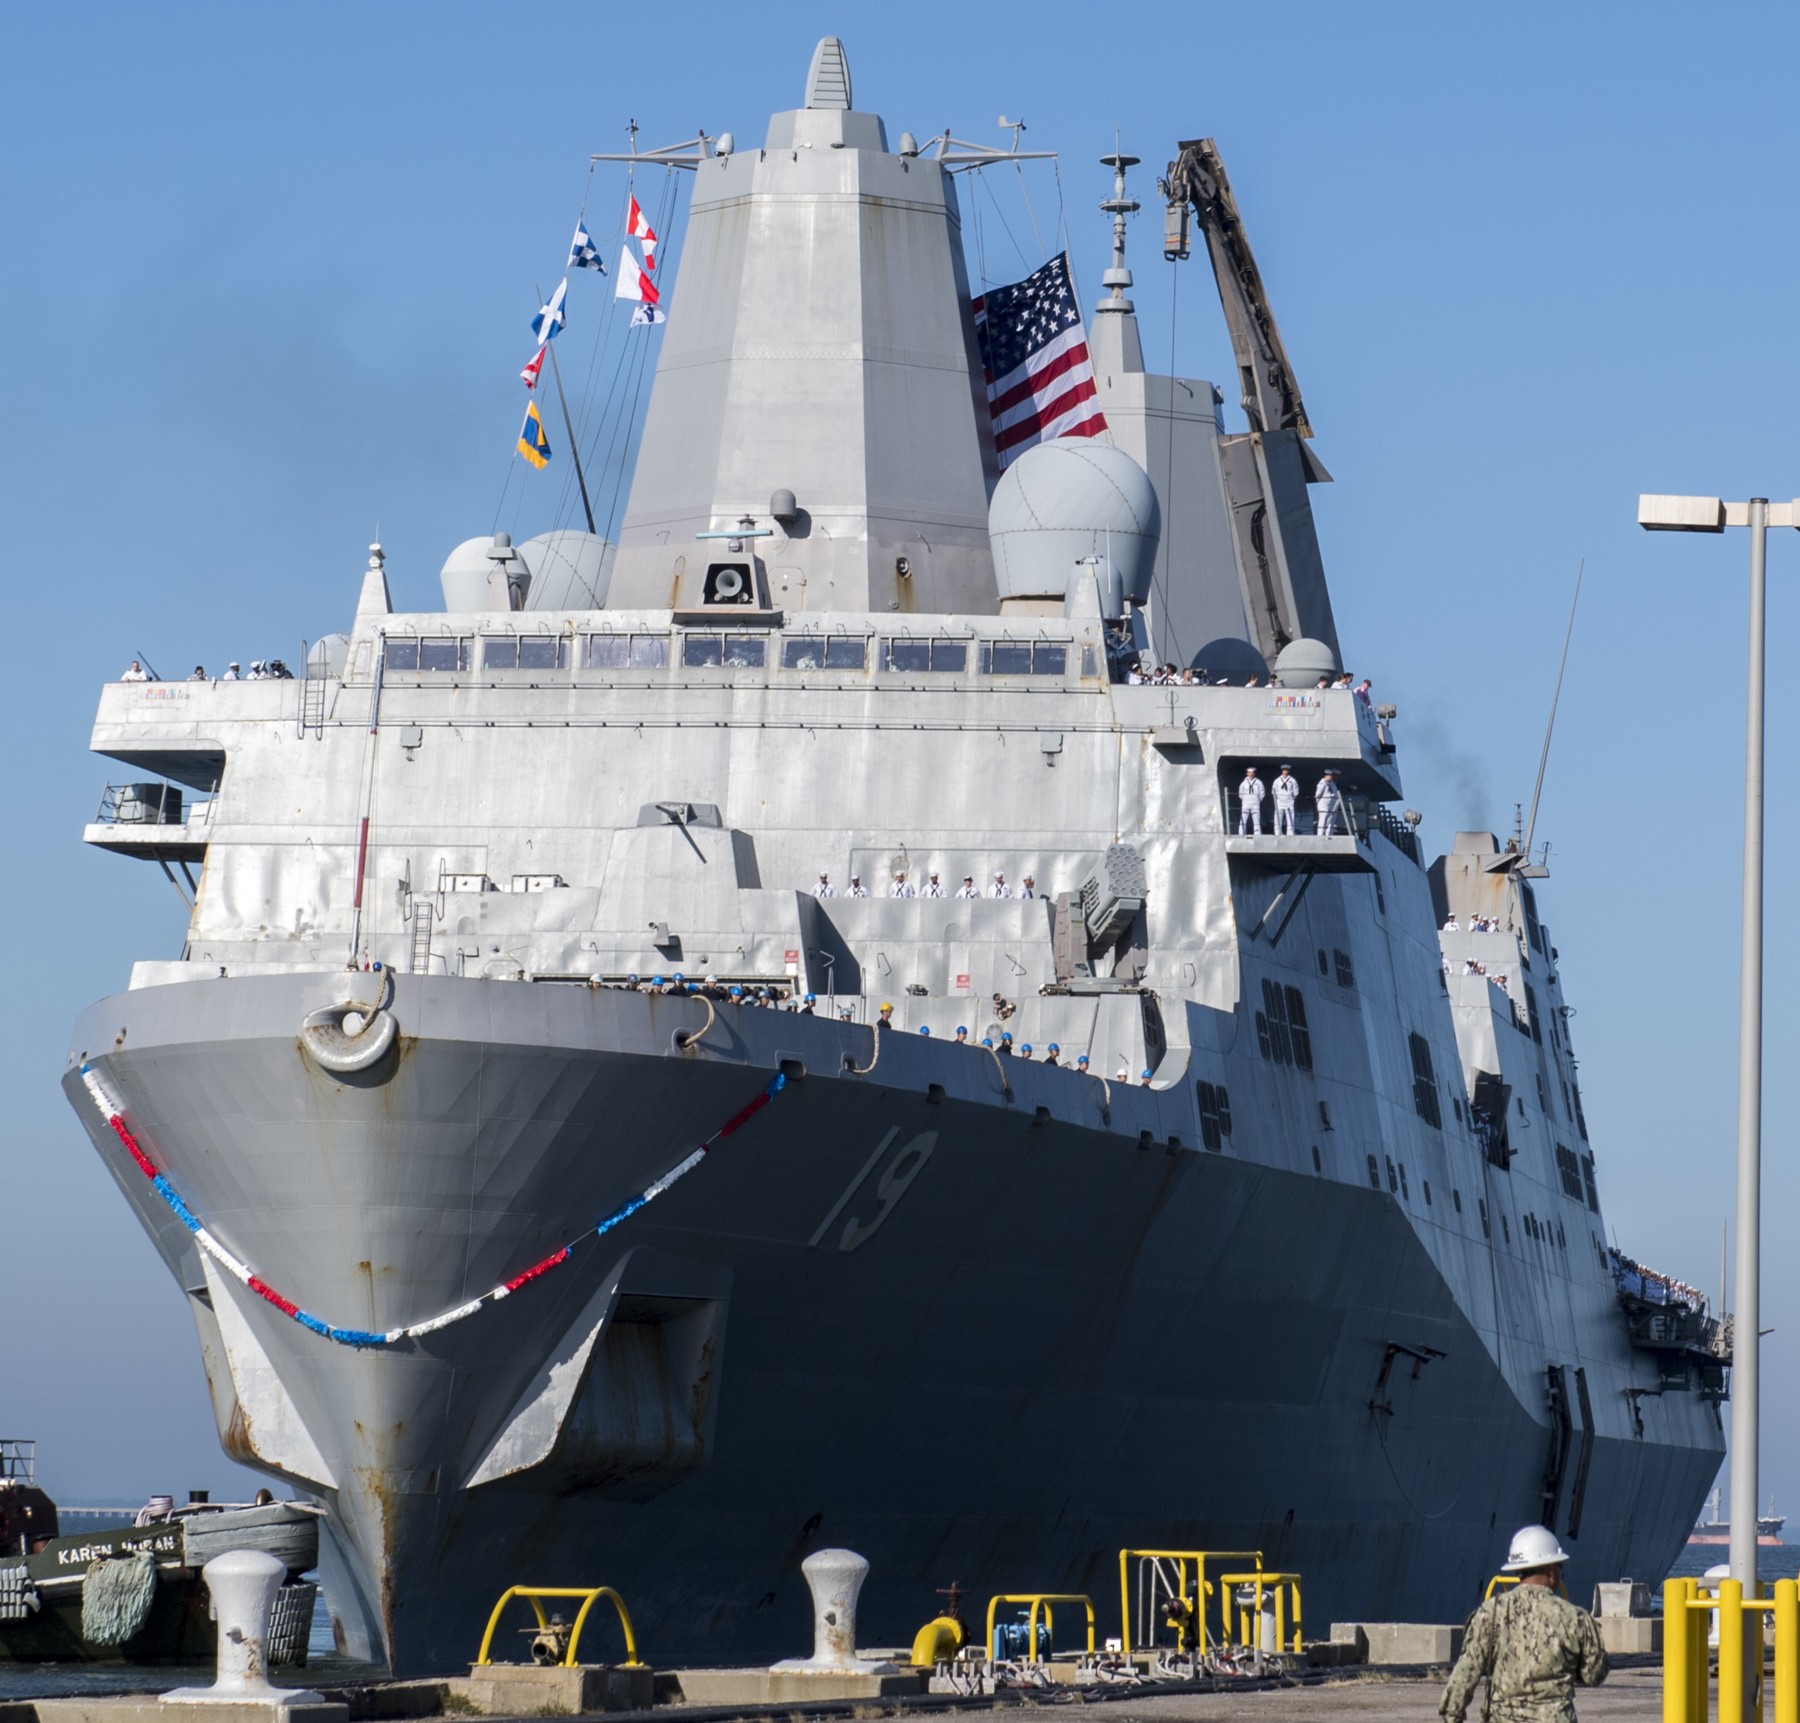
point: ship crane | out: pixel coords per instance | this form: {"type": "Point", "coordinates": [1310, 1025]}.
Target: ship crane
{"type": "Point", "coordinates": [1268, 467]}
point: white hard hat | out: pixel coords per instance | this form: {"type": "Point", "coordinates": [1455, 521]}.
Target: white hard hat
{"type": "Point", "coordinates": [1533, 1546]}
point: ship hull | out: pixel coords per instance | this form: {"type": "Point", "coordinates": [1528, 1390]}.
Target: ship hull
{"type": "Point", "coordinates": [984, 1325]}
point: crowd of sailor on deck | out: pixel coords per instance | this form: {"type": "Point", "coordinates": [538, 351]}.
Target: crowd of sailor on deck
{"type": "Point", "coordinates": [1634, 1279]}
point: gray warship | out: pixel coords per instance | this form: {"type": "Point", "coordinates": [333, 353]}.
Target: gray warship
{"type": "Point", "coordinates": [570, 1185]}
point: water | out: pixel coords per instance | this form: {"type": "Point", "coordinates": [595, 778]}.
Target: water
{"type": "Point", "coordinates": [62, 1680]}
{"type": "Point", "coordinates": [1782, 1561]}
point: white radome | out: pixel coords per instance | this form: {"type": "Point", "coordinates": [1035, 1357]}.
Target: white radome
{"type": "Point", "coordinates": [1065, 500]}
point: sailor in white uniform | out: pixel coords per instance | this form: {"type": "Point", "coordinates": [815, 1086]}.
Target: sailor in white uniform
{"type": "Point", "coordinates": [968, 887]}
{"type": "Point", "coordinates": [1000, 888]}
{"type": "Point", "coordinates": [824, 888]}
{"type": "Point", "coordinates": [902, 886]}
{"type": "Point", "coordinates": [857, 888]}
{"type": "Point", "coordinates": [1286, 790]}
{"type": "Point", "coordinates": [932, 888]}
{"type": "Point", "coordinates": [1250, 801]}
{"type": "Point", "coordinates": [1327, 804]}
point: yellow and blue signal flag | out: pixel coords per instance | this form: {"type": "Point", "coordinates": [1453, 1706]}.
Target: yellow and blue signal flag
{"type": "Point", "coordinates": [533, 444]}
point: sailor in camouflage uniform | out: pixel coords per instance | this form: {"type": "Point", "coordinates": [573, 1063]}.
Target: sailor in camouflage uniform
{"type": "Point", "coordinates": [1530, 1644]}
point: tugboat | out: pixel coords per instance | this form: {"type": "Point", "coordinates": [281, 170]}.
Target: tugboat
{"type": "Point", "coordinates": [133, 1593]}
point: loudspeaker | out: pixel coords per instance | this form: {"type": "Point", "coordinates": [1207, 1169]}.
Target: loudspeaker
{"type": "Point", "coordinates": [729, 583]}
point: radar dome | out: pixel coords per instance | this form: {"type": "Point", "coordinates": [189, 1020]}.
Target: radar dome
{"type": "Point", "coordinates": [474, 575]}
{"type": "Point", "coordinates": [1301, 663]}
{"type": "Point", "coordinates": [569, 571]}
{"type": "Point", "coordinates": [326, 657]}
{"type": "Point", "coordinates": [1066, 500]}
{"type": "Point", "coordinates": [1235, 660]}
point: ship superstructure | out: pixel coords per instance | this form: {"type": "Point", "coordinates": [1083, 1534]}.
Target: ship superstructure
{"type": "Point", "coordinates": [1309, 1258]}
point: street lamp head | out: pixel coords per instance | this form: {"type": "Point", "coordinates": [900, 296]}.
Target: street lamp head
{"type": "Point", "coordinates": [1681, 514]}
{"type": "Point", "coordinates": [1711, 514]}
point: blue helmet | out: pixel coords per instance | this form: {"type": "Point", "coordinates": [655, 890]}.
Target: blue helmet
{"type": "Point", "coordinates": [656, 981]}
{"type": "Point", "coordinates": [962, 1029]}
{"type": "Point", "coordinates": [987, 1041]}
{"type": "Point", "coordinates": [1025, 1048]}
{"type": "Point", "coordinates": [812, 999]}
{"type": "Point", "coordinates": [924, 1028]}
{"type": "Point", "coordinates": [736, 991]}
{"type": "Point", "coordinates": [1146, 1070]}
{"type": "Point", "coordinates": [1054, 1048]}
{"type": "Point", "coordinates": [1005, 1034]}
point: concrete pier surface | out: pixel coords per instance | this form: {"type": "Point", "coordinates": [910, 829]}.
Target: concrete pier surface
{"type": "Point", "coordinates": [1634, 1694]}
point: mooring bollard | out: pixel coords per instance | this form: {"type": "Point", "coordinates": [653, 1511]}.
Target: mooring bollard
{"type": "Point", "coordinates": [836, 1577]}
{"type": "Point", "coordinates": [242, 1584]}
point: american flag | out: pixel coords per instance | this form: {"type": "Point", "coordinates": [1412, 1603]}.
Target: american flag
{"type": "Point", "coordinates": [1034, 351]}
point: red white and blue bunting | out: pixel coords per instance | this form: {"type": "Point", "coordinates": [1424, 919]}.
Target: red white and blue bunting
{"type": "Point", "coordinates": [113, 1113]}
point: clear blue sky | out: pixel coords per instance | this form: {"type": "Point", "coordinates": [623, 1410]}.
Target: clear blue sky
{"type": "Point", "coordinates": [265, 284]}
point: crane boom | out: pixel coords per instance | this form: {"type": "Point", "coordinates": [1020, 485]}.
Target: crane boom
{"type": "Point", "coordinates": [1197, 180]}
{"type": "Point", "coordinates": [1266, 469]}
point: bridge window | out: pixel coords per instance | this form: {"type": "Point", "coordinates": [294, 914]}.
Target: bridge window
{"type": "Point", "coordinates": [1374, 1174]}
{"type": "Point", "coordinates": [1346, 970]}
{"type": "Point", "coordinates": [1568, 1169]}
{"type": "Point", "coordinates": [937, 656]}
{"type": "Point", "coordinates": [627, 651]}
{"type": "Point", "coordinates": [1025, 657]}
{"type": "Point", "coordinates": [524, 652]}
{"type": "Point", "coordinates": [825, 652]}
{"type": "Point", "coordinates": [1006, 657]}
{"type": "Point", "coordinates": [1587, 1179]}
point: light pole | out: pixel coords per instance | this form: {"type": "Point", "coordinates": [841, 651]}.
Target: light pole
{"type": "Point", "coordinates": [1711, 514]}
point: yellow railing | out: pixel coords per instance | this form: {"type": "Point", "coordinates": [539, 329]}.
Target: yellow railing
{"type": "Point", "coordinates": [1686, 1612]}
{"type": "Point", "coordinates": [1039, 1600]}
{"type": "Point", "coordinates": [1202, 1587]}
{"type": "Point", "coordinates": [590, 1594]}
{"type": "Point", "coordinates": [1286, 1589]}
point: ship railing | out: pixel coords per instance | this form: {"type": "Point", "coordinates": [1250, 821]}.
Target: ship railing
{"type": "Point", "coordinates": [18, 1459]}
{"type": "Point", "coordinates": [1398, 833]}
{"type": "Point", "coordinates": [151, 805]}
{"type": "Point", "coordinates": [1172, 1590]}
{"type": "Point", "coordinates": [590, 1595]}
{"type": "Point", "coordinates": [1687, 1612]}
{"type": "Point", "coordinates": [1036, 1601]}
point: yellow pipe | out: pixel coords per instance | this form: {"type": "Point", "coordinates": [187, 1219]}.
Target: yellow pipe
{"type": "Point", "coordinates": [937, 1642]}
{"type": "Point", "coordinates": [1731, 1650]}
{"type": "Point", "coordinates": [1787, 1651]}
{"type": "Point", "coordinates": [1676, 1698]}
